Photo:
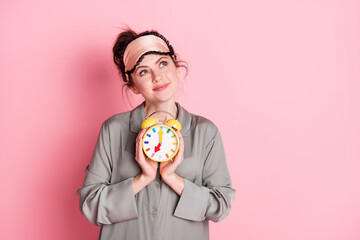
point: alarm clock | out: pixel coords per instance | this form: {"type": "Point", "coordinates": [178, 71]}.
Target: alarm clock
{"type": "Point", "coordinates": [160, 142]}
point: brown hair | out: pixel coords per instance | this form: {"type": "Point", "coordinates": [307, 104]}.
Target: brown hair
{"type": "Point", "coordinates": [123, 39]}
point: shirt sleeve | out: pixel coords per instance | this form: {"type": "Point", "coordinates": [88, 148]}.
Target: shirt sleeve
{"type": "Point", "coordinates": [102, 202]}
{"type": "Point", "coordinates": [213, 199]}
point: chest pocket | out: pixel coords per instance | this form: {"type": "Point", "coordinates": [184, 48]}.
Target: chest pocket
{"type": "Point", "coordinates": [125, 165]}
{"type": "Point", "coordinates": [190, 169]}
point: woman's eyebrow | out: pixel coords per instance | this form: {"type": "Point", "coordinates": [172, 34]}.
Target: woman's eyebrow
{"type": "Point", "coordinates": [160, 59]}
{"type": "Point", "coordinates": [138, 67]}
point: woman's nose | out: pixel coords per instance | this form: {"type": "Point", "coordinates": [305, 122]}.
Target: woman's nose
{"type": "Point", "coordinates": [157, 75]}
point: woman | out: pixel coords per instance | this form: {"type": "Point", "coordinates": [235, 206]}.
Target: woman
{"type": "Point", "coordinates": [132, 197]}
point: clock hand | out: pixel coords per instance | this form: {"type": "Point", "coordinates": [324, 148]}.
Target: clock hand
{"type": "Point", "coordinates": [157, 148]}
{"type": "Point", "coordinates": [160, 135]}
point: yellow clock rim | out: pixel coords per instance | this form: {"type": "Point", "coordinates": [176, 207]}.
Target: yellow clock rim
{"type": "Point", "coordinates": [177, 137]}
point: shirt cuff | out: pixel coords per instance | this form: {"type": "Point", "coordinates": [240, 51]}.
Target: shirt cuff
{"type": "Point", "coordinates": [193, 202]}
{"type": "Point", "coordinates": [119, 201]}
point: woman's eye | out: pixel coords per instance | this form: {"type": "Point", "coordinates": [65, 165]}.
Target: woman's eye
{"type": "Point", "coordinates": [143, 72]}
{"type": "Point", "coordinates": [163, 63]}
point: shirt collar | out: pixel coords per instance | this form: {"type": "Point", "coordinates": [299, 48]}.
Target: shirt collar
{"type": "Point", "coordinates": [137, 116]}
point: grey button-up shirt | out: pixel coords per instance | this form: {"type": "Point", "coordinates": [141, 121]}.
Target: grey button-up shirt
{"type": "Point", "coordinates": [156, 212]}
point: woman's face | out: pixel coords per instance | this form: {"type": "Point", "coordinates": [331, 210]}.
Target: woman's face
{"type": "Point", "coordinates": [156, 78]}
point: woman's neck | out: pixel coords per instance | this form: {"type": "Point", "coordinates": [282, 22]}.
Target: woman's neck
{"type": "Point", "coordinates": [169, 106]}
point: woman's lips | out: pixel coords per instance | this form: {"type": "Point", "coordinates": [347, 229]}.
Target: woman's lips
{"type": "Point", "coordinates": [161, 87]}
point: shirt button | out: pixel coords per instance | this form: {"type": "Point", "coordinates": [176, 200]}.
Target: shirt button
{"type": "Point", "coordinates": [154, 213]}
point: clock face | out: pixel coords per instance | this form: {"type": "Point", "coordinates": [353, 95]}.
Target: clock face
{"type": "Point", "coordinates": [160, 143]}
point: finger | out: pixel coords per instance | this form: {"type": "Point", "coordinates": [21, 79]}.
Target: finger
{"type": "Point", "coordinates": [151, 162]}
{"type": "Point", "coordinates": [140, 137]}
{"type": "Point", "coordinates": [164, 164]}
{"type": "Point", "coordinates": [180, 155]}
{"type": "Point", "coordinates": [179, 133]}
{"type": "Point", "coordinates": [139, 151]}
{"type": "Point", "coordinates": [138, 141]}
{"type": "Point", "coordinates": [141, 134]}
{"type": "Point", "coordinates": [181, 145]}
{"type": "Point", "coordinates": [181, 141]}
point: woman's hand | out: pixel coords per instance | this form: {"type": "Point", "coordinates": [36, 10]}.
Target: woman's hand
{"type": "Point", "coordinates": [148, 167]}
{"type": "Point", "coordinates": [167, 169]}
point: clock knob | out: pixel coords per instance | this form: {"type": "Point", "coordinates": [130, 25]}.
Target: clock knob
{"type": "Point", "coordinates": [148, 123]}
{"type": "Point", "coordinates": [174, 123]}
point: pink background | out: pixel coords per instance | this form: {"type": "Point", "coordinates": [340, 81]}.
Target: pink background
{"type": "Point", "coordinates": [280, 79]}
